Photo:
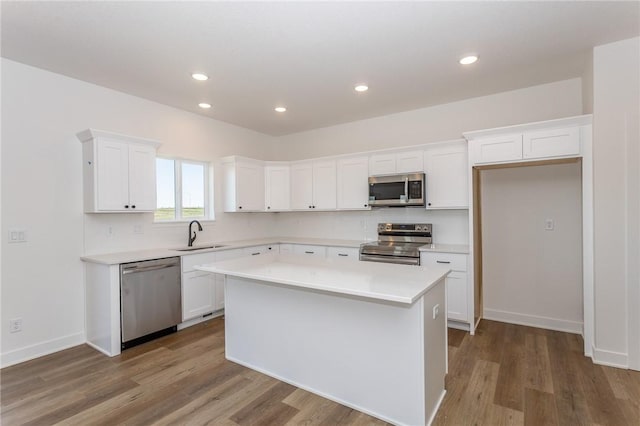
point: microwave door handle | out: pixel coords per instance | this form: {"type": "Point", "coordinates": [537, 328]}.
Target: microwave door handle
{"type": "Point", "coordinates": [406, 188]}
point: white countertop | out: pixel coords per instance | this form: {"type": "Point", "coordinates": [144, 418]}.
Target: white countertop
{"type": "Point", "coordinates": [160, 253]}
{"type": "Point", "coordinates": [403, 284]}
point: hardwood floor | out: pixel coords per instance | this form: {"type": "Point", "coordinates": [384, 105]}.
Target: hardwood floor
{"type": "Point", "coordinates": [504, 375]}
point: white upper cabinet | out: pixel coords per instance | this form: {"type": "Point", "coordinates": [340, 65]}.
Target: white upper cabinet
{"type": "Point", "coordinates": [544, 140]}
{"type": "Point", "coordinates": [497, 149]}
{"type": "Point", "coordinates": [382, 164]}
{"type": "Point", "coordinates": [244, 186]}
{"type": "Point", "coordinates": [551, 143]}
{"type": "Point", "coordinates": [119, 172]}
{"type": "Point", "coordinates": [142, 177]}
{"type": "Point", "coordinates": [313, 185]}
{"type": "Point", "coordinates": [446, 172]}
{"type": "Point", "coordinates": [398, 162]}
{"type": "Point", "coordinates": [301, 186]}
{"type": "Point", "coordinates": [409, 162]}
{"type": "Point", "coordinates": [352, 183]}
{"type": "Point", "coordinates": [277, 187]}
{"type": "Point", "coordinates": [324, 185]}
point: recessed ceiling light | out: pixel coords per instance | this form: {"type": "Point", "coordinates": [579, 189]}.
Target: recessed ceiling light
{"type": "Point", "coordinates": [280, 109]}
{"type": "Point", "coordinates": [361, 88]}
{"type": "Point", "coordinates": [204, 105]}
{"type": "Point", "coordinates": [199, 76]}
{"type": "Point", "coordinates": [467, 60]}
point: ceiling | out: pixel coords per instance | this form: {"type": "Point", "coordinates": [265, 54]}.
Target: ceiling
{"type": "Point", "coordinates": [308, 56]}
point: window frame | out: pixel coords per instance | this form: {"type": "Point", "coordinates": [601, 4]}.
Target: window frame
{"type": "Point", "coordinates": [177, 180]}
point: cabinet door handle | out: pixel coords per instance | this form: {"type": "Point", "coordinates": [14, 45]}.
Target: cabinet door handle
{"type": "Point", "coordinates": [255, 254]}
{"type": "Point", "coordinates": [133, 206]}
{"type": "Point", "coordinates": [365, 205]}
{"type": "Point", "coordinates": [126, 206]}
{"type": "Point", "coordinates": [309, 252]}
{"type": "Point", "coordinates": [309, 206]}
{"type": "Point", "coordinates": [268, 207]}
{"type": "Point", "coordinates": [239, 207]}
{"type": "Point", "coordinates": [343, 254]}
{"type": "Point", "coordinates": [442, 261]}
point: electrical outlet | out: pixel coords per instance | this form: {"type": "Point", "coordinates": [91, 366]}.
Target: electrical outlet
{"type": "Point", "coordinates": [15, 325]}
{"type": "Point", "coordinates": [548, 224]}
{"type": "Point", "coordinates": [436, 311]}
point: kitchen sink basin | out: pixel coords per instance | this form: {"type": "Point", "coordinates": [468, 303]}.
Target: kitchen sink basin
{"type": "Point", "coordinates": [200, 247]}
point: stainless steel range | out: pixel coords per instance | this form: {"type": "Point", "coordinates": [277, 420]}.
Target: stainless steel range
{"type": "Point", "coordinates": [397, 243]}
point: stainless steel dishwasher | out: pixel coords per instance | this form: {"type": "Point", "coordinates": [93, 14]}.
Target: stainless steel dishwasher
{"type": "Point", "coordinates": [150, 300]}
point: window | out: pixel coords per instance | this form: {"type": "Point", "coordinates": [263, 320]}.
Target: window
{"type": "Point", "coordinates": [182, 190]}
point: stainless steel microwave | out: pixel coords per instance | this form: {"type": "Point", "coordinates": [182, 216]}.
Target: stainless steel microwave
{"type": "Point", "coordinates": [397, 190]}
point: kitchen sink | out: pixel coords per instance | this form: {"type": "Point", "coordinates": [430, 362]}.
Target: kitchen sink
{"type": "Point", "coordinates": [201, 247]}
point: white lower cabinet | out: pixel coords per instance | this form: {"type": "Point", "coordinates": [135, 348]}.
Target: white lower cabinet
{"type": "Point", "coordinates": [198, 288]}
{"type": "Point", "coordinates": [457, 296]}
{"type": "Point", "coordinates": [198, 294]}
{"type": "Point", "coordinates": [457, 282]}
{"type": "Point", "coordinates": [346, 253]}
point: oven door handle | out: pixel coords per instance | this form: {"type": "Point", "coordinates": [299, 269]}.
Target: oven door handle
{"type": "Point", "coordinates": [391, 259]}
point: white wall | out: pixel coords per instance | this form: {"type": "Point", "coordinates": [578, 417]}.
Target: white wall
{"type": "Point", "coordinates": [531, 275]}
{"type": "Point", "coordinates": [438, 123]}
{"type": "Point", "coordinates": [587, 86]}
{"type": "Point", "coordinates": [42, 280]}
{"type": "Point", "coordinates": [616, 147]}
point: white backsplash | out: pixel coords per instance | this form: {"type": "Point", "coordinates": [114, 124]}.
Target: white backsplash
{"type": "Point", "coordinates": [449, 226]}
{"type": "Point", "coordinates": [107, 233]}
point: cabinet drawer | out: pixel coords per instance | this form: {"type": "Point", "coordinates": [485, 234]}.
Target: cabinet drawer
{"type": "Point", "coordinates": [258, 250]}
{"type": "Point", "coordinates": [454, 261]}
{"type": "Point", "coordinates": [188, 262]}
{"type": "Point", "coordinates": [228, 254]}
{"type": "Point", "coordinates": [347, 253]}
{"type": "Point", "coordinates": [286, 248]}
{"type": "Point", "coordinates": [310, 250]}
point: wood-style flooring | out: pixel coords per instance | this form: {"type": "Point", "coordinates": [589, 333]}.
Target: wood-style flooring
{"type": "Point", "coordinates": [504, 375]}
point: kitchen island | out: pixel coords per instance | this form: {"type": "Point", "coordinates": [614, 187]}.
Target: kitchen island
{"type": "Point", "coordinates": [370, 336]}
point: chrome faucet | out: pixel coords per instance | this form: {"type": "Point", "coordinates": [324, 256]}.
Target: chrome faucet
{"type": "Point", "coordinates": [193, 238]}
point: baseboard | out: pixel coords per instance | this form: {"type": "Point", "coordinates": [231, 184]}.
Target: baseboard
{"type": "Point", "coordinates": [610, 359]}
{"type": "Point", "coordinates": [437, 407]}
{"type": "Point", "coordinates": [533, 321]}
{"type": "Point", "coordinates": [458, 325]}
{"type": "Point", "coordinates": [198, 320]}
{"type": "Point", "coordinates": [40, 349]}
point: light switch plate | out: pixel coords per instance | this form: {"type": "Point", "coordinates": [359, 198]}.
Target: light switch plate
{"type": "Point", "coordinates": [17, 235]}
{"type": "Point", "coordinates": [548, 225]}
